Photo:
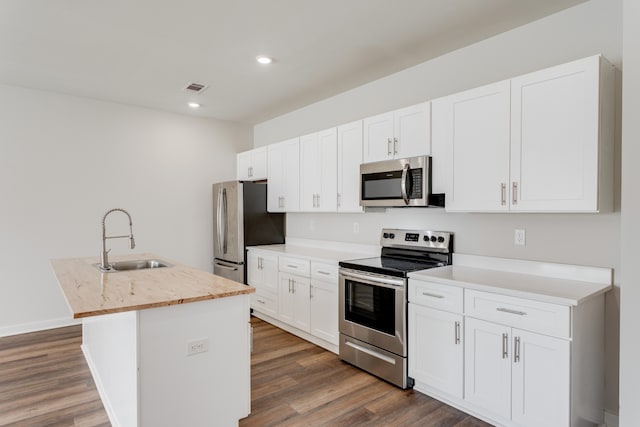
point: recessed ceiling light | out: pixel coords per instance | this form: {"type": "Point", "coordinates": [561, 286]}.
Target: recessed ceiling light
{"type": "Point", "coordinates": [193, 105]}
{"type": "Point", "coordinates": [264, 60]}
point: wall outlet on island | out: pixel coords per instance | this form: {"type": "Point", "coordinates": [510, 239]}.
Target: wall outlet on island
{"type": "Point", "coordinates": [519, 237]}
{"type": "Point", "coordinates": [197, 346]}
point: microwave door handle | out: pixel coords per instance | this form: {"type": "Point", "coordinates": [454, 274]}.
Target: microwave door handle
{"type": "Point", "coordinates": [403, 184]}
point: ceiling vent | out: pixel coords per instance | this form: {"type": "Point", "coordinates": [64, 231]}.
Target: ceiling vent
{"type": "Point", "coordinates": [195, 87]}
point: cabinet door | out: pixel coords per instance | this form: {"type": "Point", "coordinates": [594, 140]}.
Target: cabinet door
{"type": "Point", "coordinates": [286, 300]}
{"type": "Point", "coordinates": [269, 269]}
{"type": "Point", "coordinates": [310, 172]}
{"type": "Point", "coordinates": [259, 164]}
{"type": "Point", "coordinates": [435, 353]}
{"type": "Point", "coordinates": [254, 272]}
{"type": "Point", "coordinates": [412, 131]}
{"type": "Point", "coordinates": [291, 174]}
{"type": "Point", "coordinates": [324, 311]}
{"type": "Point", "coordinates": [349, 160]}
{"type": "Point", "coordinates": [378, 138]}
{"type": "Point", "coordinates": [301, 288]}
{"type": "Point", "coordinates": [327, 198]}
{"type": "Point", "coordinates": [554, 138]}
{"type": "Point", "coordinates": [243, 165]}
{"type": "Point", "coordinates": [471, 134]}
{"type": "Point", "coordinates": [275, 177]}
{"type": "Point", "coordinates": [487, 366]}
{"type": "Point", "coordinates": [541, 380]}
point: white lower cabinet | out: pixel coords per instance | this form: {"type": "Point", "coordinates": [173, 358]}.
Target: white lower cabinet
{"type": "Point", "coordinates": [518, 375]}
{"type": "Point", "coordinates": [324, 302]}
{"type": "Point", "coordinates": [294, 296]}
{"type": "Point", "coordinates": [435, 350]}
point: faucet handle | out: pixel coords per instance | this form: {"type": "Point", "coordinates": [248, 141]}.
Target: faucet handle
{"type": "Point", "coordinates": [132, 242]}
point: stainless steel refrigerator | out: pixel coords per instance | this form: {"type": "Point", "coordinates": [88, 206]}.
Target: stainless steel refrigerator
{"type": "Point", "coordinates": [240, 220]}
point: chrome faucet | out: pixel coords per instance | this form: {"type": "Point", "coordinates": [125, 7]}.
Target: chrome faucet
{"type": "Point", "coordinates": [104, 261]}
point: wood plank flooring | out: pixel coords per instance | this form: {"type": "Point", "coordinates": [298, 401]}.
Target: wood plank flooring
{"type": "Point", "coordinates": [295, 383]}
{"type": "Point", "coordinates": [45, 381]}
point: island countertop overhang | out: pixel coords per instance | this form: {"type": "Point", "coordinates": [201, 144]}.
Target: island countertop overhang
{"type": "Point", "coordinates": [90, 292]}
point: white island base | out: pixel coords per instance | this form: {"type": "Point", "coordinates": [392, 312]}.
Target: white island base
{"type": "Point", "coordinates": [145, 376]}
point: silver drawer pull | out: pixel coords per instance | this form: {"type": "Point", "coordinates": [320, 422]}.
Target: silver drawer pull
{"type": "Point", "coordinates": [261, 301]}
{"type": "Point", "coordinates": [427, 294]}
{"type": "Point", "coordinates": [506, 310]}
{"type": "Point", "coordinates": [326, 273]}
{"type": "Point", "coordinates": [292, 266]}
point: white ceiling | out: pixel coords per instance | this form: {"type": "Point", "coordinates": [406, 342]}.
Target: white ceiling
{"type": "Point", "coordinates": [143, 52]}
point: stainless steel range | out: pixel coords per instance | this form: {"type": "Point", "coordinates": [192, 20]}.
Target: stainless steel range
{"type": "Point", "coordinates": [373, 300]}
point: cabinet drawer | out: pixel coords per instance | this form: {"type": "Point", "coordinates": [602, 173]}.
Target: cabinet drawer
{"type": "Point", "coordinates": [265, 302]}
{"type": "Point", "coordinates": [295, 266]}
{"type": "Point", "coordinates": [536, 316]}
{"type": "Point", "coordinates": [324, 272]}
{"type": "Point", "coordinates": [436, 295]}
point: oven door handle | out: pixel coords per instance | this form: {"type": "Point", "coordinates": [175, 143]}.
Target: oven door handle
{"type": "Point", "coordinates": [375, 281]}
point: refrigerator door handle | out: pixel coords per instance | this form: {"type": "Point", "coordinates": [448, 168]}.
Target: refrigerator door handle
{"type": "Point", "coordinates": [219, 221]}
{"type": "Point", "coordinates": [226, 267]}
{"type": "Point", "coordinates": [225, 229]}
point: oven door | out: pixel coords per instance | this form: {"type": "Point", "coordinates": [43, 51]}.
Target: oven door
{"type": "Point", "coordinates": [373, 309]}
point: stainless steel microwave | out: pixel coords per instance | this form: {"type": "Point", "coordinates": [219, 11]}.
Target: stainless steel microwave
{"type": "Point", "coordinates": [400, 182]}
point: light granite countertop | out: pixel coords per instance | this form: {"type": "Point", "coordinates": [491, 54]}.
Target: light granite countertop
{"type": "Point", "coordinates": [89, 292]}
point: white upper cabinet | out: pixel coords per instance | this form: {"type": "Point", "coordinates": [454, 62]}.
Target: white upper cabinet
{"type": "Point", "coordinates": [561, 126]}
{"type": "Point", "coordinates": [349, 160]}
{"type": "Point", "coordinates": [398, 134]}
{"type": "Point", "coordinates": [283, 191]}
{"type": "Point", "coordinates": [252, 165]}
{"type": "Point", "coordinates": [541, 142]}
{"type": "Point", "coordinates": [471, 148]}
{"type": "Point", "coordinates": [318, 173]}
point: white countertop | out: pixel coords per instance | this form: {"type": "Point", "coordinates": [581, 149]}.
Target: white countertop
{"type": "Point", "coordinates": [329, 252]}
{"type": "Point", "coordinates": [546, 285]}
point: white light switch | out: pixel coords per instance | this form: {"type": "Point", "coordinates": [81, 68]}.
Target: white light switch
{"type": "Point", "coordinates": [519, 237]}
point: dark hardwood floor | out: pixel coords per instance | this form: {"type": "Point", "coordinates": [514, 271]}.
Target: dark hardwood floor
{"type": "Point", "coordinates": [45, 381]}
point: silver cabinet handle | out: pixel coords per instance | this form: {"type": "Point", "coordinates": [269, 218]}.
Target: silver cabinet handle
{"type": "Point", "coordinates": [395, 145]}
{"type": "Point", "coordinates": [326, 273]}
{"type": "Point", "coordinates": [261, 301]}
{"type": "Point", "coordinates": [317, 200]}
{"type": "Point", "coordinates": [389, 146]}
{"type": "Point", "coordinates": [516, 350]}
{"type": "Point", "coordinates": [457, 333]}
{"type": "Point", "coordinates": [289, 285]}
{"type": "Point", "coordinates": [311, 292]}
{"type": "Point", "coordinates": [339, 200]}
{"type": "Point", "coordinates": [403, 184]}
{"type": "Point", "coordinates": [507, 310]}
{"type": "Point", "coordinates": [514, 191]}
{"type": "Point", "coordinates": [292, 266]}
{"type": "Point", "coordinates": [293, 286]}
{"type": "Point", "coordinates": [250, 171]}
{"type": "Point", "coordinates": [505, 344]}
{"type": "Point", "coordinates": [427, 294]}
{"type": "Point", "coordinates": [503, 194]}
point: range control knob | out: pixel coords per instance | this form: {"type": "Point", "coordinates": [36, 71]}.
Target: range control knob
{"type": "Point", "coordinates": [433, 238]}
{"type": "Point", "coordinates": [392, 236]}
{"type": "Point", "coordinates": [385, 235]}
{"type": "Point", "coordinates": [440, 239]}
{"type": "Point", "coordinates": [425, 238]}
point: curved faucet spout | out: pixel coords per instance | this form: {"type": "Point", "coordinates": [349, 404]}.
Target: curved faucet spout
{"type": "Point", "coordinates": [104, 260]}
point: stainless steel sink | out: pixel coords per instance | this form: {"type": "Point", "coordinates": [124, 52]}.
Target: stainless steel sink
{"type": "Point", "coordinates": [139, 264]}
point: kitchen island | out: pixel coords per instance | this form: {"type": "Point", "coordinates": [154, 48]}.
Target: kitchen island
{"type": "Point", "coordinates": [166, 346]}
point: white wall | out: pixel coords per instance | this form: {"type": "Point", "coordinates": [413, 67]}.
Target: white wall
{"type": "Point", "coordinates": [586, 239]}
{"type": "Point", "coordinates": [64, 161]}
{"type": "Point", "coordinates": [630, 293]}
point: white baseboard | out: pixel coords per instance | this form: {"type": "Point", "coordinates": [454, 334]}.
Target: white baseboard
{"type": "Point", "coordinates": [25, 328]}
{"type": "Point", "coordinates": [98, 382]}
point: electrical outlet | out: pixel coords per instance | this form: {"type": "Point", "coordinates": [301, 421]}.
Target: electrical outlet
{"type": "Point", "coordinates": [519, 237]}
{"type": "Point", "coordinates": [197, 346]}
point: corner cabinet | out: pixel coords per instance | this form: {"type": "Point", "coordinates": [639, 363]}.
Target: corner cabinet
{"type": "Point", "coordinates": [398, 134]}
{"type": "Point", "coordinates": [318, 173]}
{"type": "Point", "coordinates": [541, 142]}
{"type": "Point", "coordinates": [252, 165]}
{"type": "Point", "coordinates": [283, 167]}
